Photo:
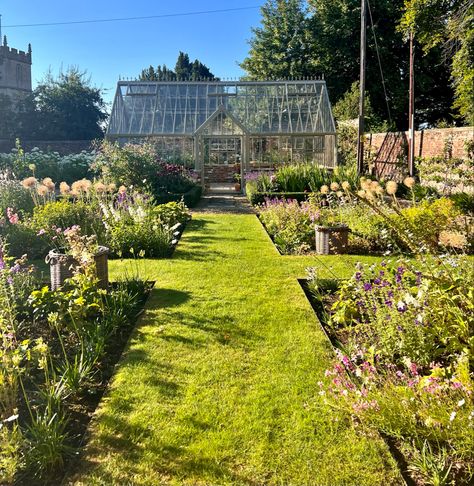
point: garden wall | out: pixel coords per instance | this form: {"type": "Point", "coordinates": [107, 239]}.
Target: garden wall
{"type": "Point", "coordinates": [430, 143]}
{"type": "Point", "coordinates": [63, 147]}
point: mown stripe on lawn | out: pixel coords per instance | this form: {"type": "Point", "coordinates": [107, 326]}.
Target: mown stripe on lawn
{"type": "Point", "coordinates": [219, 382]}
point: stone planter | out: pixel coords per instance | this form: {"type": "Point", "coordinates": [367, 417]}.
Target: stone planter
{"type": "Point", "coordinates": [331, 240]}
{"type": "Point", "coordinates": [61, 267]}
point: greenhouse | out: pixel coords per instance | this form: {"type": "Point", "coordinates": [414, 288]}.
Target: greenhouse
{"type": "Point", "coordinates": [224, 128]}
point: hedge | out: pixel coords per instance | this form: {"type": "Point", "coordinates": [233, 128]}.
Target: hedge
{"type": "Point", "coordinates": [191, 198]}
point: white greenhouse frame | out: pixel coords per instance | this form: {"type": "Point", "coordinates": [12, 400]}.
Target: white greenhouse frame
{"type": "Point", "coordinates": [246, 125]}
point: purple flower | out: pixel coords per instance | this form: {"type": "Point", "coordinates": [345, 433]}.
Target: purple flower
{"type": "Point", "coordinates": [358, 276]}
{"type": "Point", "coordinates": [367, 287]}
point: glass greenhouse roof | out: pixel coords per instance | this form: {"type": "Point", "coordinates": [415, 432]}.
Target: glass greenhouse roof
{"type": "Point", "coordinates": [143, 108]}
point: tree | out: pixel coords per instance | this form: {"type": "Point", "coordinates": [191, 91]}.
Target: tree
{"type": "Point", "coordinates": [281, 47]}
{"type": "Point", "coordinates": [447, 24]}
{"type": "Point", "coordinates": [65, 107]}
{"type": "Point", "coordinates": [185, 70]}
{"type": "Point", "coordinates": [325, 39]}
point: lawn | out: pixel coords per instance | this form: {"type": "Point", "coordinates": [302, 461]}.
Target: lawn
{"type": "Point", "coordinates": [219, 384]}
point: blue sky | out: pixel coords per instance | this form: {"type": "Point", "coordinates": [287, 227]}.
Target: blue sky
{"type": "Point", "coordinates": [107, 50]}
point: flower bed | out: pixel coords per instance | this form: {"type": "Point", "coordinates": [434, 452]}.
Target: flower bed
{"type": "Point", "coordinates": [378, 221]}
{"type": "Point", "coordinates": [404, 336]}
{"type": "Point", "coordinates": [57, 351]}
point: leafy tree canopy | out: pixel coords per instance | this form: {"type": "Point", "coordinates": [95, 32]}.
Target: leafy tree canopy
{"type": "Point", "coordinates": [449, 25]}
{"type": "Point", "coordinates": [66, 107]}
{"type": "Point", "coordinates": [299, 39]}
{"type": "Point", "coordinates": [185, 70]}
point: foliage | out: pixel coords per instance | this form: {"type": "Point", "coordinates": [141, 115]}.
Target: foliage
{"type": "Point", "coordinates": [406, 331]}
{"type": "Point", "coordinates": [290, 225]}
{"type": "Point", "coordinates": [135, 227]}
{"type": "Point", "coordinates": [347, 108]}
{"type": "Point", "coordinates": [323, 37]}
{"type": "Point", "coordinates": [449, 24]}
{"type": "Point", "coordinates": [281, 46]}
{"type": "Point", "coordinates": [299, 178]}
{"type": "Point", "coordinates": [53, 344]}
{"type": "Point", "coordinates": [14, 195]}
{"type": "Point", "coordinates": [136, 165]}
{"type": "Point", "coordinates": [185, 70]}
{"type": "Point", "coordinates": [65, 107]}
{"type": "Point", "coordinates": [447, 174]}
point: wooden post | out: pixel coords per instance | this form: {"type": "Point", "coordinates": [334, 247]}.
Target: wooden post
{"type": "Point", "coordinates": [411, 112]}
{"type": "Point", "coordinates": [361, 129]}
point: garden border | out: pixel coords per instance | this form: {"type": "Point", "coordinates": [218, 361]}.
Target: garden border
{"type": "Point", "coordinates": [396, 454]}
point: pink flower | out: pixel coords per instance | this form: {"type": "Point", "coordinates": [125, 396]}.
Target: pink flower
{"type": "Point", "coordinates": [12, 217]}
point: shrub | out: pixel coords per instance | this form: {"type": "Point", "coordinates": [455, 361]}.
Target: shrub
{"type": "Point", "coordinates": [14, 195]}
{"type": "Point", "coordinates": [172, 213]}
{"type": "Point", "coordinates": [150, 239]}
{"type": "Point", "coordinates": [290, 225]}
{"type": "Point", "coordinates": [64, 214]}
{"type": "Point", "coordinates": [43, 164]}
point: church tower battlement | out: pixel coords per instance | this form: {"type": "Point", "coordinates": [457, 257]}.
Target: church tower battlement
{"type": "Point", "coordinates": [15, 71]}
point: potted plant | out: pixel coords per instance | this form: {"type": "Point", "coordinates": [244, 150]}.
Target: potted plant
{"type": "Point", "coordinates": [331, 234]}
{"type": "Point", "coordinates": [74, 252]}
{"type": "Point", "coordinates": [237, 179]}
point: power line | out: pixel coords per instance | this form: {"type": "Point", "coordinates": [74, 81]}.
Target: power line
{"type": "Point", "coordinates": [162, 16]}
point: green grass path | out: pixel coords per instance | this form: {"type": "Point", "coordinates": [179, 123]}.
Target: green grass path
{"type": "Point", "coordinates": [219, 383]}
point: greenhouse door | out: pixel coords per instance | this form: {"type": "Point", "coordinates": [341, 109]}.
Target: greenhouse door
{"type": "Point", "coordinates": [222, 159]}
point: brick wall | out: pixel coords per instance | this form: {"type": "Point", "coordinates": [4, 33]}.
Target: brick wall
{"type": "Point", "coordinates": [221, 173]}
{"type": "Point", "coordinates": [63, 147]}
{"type": "Point", "coordinates": [430, 143]}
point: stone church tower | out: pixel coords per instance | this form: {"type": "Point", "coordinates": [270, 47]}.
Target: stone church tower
{"type": "Point", "coordinates": [15, 71]}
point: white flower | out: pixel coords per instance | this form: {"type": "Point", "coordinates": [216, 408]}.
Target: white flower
{"type": "Point", "coordinates": [11, 418]}
{"type": "Point", "coordinates": [461, 402]}
{"type": "Point", "coordinates": [452, 416]}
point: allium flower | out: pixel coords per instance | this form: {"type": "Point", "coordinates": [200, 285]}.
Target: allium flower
{"type": "Point", "coordinates": [361, 193]}
{"type": "Point", "coordinates": [391, 188]}
{"type": "Point", "coordinates": [122, 189]}
{"type": "Point", "coordinates": [42, 190]}
{"type": "Point", "coordinates": [409, 182]}
{"type": "Point", "coordinates": [64, 188]}
{"type": "Point", "coordinates": [324, 189]}
{"type": "Point", "coordinates": [346, 186]}
{"type": "Point", "coordinates": [334, 186]}
{"type": "Point", "coordinates": [48, 182]}
{"type": "Point", "coordinates": [453, 239]}
{"type": "Point", "coordinates": [29, 182]}
{"type": "Point", "coordinates": [100, 188]}
{"type": "Point", "coordinates": [111, 187]}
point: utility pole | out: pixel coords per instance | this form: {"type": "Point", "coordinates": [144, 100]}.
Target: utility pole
{"type": "Point", "coordinates": [361, 129]}
{"type": "Point", "coordinates": [411, 111]}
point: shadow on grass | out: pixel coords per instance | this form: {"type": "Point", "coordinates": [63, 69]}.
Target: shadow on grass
{"type": "Point", "coordinates": [139, 442]}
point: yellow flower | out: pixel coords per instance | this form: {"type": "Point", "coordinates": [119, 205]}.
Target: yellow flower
{"type": "Point", "coordinates": [29, 182]}
{"type": "Point", "coordinates": [391, 188]}
{"type": "Point", "coordinates": [409, 182]}
{"type": "Point", "coordinates": [324, 189]}
{"type": "Point", "coordinates": [334, 186]}
{"type": "Point", "coordinates": [346, 186]}
{"type": "Point", "coordinates": [361, 193]}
